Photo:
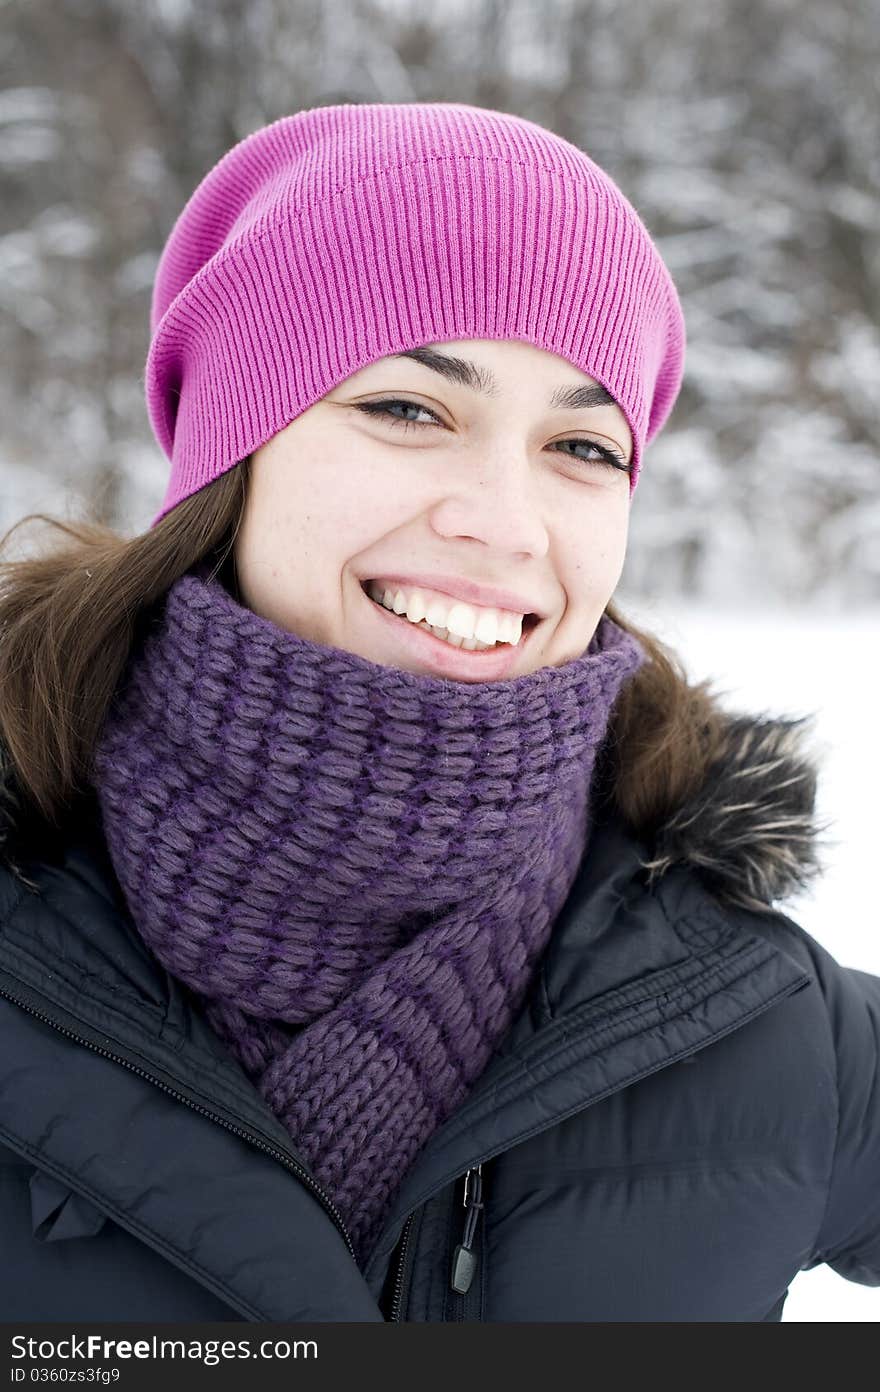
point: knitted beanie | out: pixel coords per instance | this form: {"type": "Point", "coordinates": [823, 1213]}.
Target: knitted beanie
{"type": "Point", "coordinates": [341, 234]}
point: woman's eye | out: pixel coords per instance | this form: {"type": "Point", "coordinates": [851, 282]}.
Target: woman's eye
{"type": "Point", "coordinates": [383, 408]}
{"type": "Point", "coordinates": [606, 456]}
{"type": "Point", "coordinates": [602, 454]}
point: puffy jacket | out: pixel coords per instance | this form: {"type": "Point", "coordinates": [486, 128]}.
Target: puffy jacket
{"type": "Point", "coordinates": [685, 1114]}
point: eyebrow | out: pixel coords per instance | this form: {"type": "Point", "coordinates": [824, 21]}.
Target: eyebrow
{"type": "Point", "coordinates": [465, 373]}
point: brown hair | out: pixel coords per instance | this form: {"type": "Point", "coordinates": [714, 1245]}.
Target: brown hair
{"type": "Point", "coordinates": [69, 617]}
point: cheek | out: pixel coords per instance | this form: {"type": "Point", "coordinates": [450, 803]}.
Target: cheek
{"type": "Point", "coordinates": [596, 548]}
{"type": "Point", "coordinates": [295, 503]}
{"type": "Point", "coordinates": [609, 558]}
{"type": "Point", "coordinates": [368, 504]}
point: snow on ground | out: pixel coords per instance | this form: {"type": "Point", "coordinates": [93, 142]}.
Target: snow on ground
{"type": "Point", "coordinates": [791, 662]}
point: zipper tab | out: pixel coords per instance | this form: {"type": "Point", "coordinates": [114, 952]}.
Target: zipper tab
{"type": "Point", "coordinates": [464, 1259]}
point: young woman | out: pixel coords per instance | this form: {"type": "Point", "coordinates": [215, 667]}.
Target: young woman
{"type": "Point", "coordinates": [387, 926]}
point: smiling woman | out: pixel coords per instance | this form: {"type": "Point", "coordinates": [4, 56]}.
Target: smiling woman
{"type": "Point", "coordinates": [362, 868]}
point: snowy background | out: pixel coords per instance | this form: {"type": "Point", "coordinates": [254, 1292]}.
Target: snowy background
{"type": "Point", "coordinates": [746, 133]}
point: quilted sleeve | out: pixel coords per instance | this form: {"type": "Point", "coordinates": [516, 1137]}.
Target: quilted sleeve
{"type": "Point", "coordinates": [849, 1237]}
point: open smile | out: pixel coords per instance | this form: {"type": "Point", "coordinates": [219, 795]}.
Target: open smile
{"type": "Point", "coordinates": [446, 660]}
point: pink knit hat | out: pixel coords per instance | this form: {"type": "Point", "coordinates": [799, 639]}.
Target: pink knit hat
{"type": "Point", "coordinates": [341, 234]}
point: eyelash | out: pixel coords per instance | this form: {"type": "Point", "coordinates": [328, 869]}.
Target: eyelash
{"type": "Point", "coordinates": [380, 408]}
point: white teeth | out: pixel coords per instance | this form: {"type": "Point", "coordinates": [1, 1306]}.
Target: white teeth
{"type": "Point", "coordinates": [460, 624]}
{"type": "Point", "coordinates": [415, 611]}
{"type": "Point", "coordinates": [453, 639]}
{"type": "Point", "coordinates": [436, 615]}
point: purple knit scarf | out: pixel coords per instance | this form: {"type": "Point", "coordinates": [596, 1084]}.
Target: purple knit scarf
{"type": "Point", "coordinates": [355, 867]}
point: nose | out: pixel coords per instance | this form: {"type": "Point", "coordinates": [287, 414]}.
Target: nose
{"type": "Point", "coordinates": [495, 499]}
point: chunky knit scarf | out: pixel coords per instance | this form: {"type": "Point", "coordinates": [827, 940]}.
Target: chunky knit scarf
{"type": "Point", "coordinates": [354, 867]}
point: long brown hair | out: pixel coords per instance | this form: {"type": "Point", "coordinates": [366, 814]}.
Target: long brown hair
{"type": "Point", "coordinates": [70, 614]}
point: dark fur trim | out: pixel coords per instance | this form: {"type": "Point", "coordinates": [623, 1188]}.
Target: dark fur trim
{"type": "Point", "coordinates": [751, 829]}
{"type": "Point", "coordinates": [18, 836]}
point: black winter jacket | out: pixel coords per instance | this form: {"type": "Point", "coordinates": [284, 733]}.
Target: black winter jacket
{"type": "Point", "coordinates": [685, 1114]}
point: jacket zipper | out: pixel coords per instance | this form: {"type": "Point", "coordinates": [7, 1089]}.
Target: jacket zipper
{"type": "Point", "coordinates": [465, 1256]}
{"type": "Point", "coordinates": [290, 1164]}
{"type": "Point", "coordinates": [464, 1261]}
{"type": "Point", "coordinates": [398, 1277]}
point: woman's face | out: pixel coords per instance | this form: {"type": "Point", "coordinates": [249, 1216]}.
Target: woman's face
{"type": "Point", "coordinates": [475, 477]}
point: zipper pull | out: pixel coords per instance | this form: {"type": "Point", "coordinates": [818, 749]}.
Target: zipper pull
{"type": "Point", "coordinates": [464, 1259]}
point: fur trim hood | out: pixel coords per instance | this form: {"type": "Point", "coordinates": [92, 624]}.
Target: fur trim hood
{"type": "Point", "coordinates": [750, 831]}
